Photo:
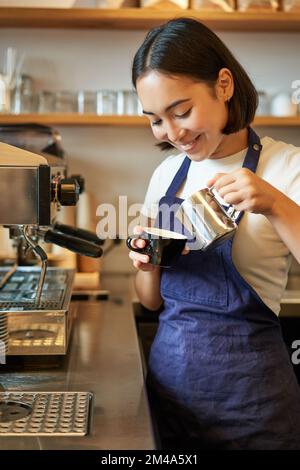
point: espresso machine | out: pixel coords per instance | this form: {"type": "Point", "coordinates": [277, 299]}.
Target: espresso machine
{"type": "Point", "coordinates": [36, 312]}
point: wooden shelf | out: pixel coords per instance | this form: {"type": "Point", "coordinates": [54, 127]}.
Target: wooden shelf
{"type": "Point", "coordinates": [273, 121]}
{"type": "Point", "coordinates": [120, 121]}
{"type": "Point", "coordinates": [58, 119]}
{"type": "Point", "coordinates": [144, 18]}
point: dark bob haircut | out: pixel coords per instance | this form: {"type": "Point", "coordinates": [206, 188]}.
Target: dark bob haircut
{"type": "Point", "coordinates": [186, 47]}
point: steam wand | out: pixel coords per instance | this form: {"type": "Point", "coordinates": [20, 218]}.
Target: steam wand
{"type": "Point", "coordinates": [43, 257]}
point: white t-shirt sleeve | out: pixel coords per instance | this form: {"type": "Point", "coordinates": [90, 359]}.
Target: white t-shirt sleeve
{"type": "Point", "coordinates": [293, 171]}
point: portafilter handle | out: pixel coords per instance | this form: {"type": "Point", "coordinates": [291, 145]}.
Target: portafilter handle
{"type": "Point", "coordinates": [76, 244]}
{"type": "Point", "coordinates": [78, 232]}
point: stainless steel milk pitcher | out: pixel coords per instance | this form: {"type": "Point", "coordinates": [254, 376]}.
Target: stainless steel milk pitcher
{"type": "Point", "coordinates": [208, 218]}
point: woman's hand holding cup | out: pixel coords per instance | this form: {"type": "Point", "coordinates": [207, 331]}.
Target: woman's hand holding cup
{"type": "Point", "coordinates": [155, 248]}
{"type": "Point", "coordinates": [140, 261]}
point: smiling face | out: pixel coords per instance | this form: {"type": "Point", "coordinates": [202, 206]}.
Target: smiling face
{"type": "Point", "coordinates": [188, 114]}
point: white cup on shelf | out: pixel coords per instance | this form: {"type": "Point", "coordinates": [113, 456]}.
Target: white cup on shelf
{"type": "Point", "coordinates": [282, 105]}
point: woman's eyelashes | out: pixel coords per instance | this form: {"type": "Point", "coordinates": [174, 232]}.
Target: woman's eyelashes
{"type": "Point", "coordinates": [184, 115]}
{"type": "Point", "coordinates": [179, 116]}
{"type": "Point", "coordinates": [156, 123]}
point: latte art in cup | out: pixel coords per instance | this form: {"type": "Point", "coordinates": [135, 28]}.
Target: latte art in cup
{"type": "Point", "coordinates": [161, 233]}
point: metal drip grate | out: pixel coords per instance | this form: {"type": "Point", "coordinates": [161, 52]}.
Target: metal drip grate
{"type": "Point", "coordinates": [44, 413]}
{"type": "Point", "coordinates": [44, 305]}
{"type": "Point", "coordinates": [19, 292]}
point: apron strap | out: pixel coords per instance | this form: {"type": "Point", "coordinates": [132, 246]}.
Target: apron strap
{"type": "Point", "coordinates": [179, 178]}
{"type": "Point", "coordinates": [253, 152]}
{"type": "Point", "coordinates": [251, 158]}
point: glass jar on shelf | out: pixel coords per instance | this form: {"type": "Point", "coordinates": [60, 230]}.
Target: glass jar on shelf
{"type": "Point", "coordinates": [257, 5]}
{"type": "Point", "coordinates": [117, 3]}
{"type": "Point", "coordinates": [164, 4]}
{"type": "Point", "coordinates": [263, 108]}
{"type": "Point", "coordinates": [23, 98]}
{"type": "Point", "coordinates": [5, 104]}
{"type": "Point", "coordinates": [223, 5]}
{"type": "Point", "coordinates": [127, 103]}
{"type": "Point", "coordinates": [290, 5]}
{"type": "Point", "coordinates": [107, 102]}
{"type": "Point", "coordinates": [65, 102]}
{"type": "Point", "coordinates": [87, 102]}
{"type": "Point", "coordinates": [46, 102]}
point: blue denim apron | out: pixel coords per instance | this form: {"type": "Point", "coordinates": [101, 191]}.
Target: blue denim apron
{"type": "Point", "coordinates": [219, 372]}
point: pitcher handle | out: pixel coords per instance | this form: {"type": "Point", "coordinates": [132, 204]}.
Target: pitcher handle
{"type": "Point", "coordinates": [230, 210]}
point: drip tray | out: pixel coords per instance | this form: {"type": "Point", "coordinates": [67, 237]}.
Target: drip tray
{"type": "Point", "coordinates": [32, 334]}
{"type": "Point", "coordinates": [45, 413]}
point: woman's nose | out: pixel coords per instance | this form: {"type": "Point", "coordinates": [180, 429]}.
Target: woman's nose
{"type": "Point", "coordinates": [175, 134]}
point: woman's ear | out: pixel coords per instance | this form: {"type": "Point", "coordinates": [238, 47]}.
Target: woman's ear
{"type": "Point", "coordinates": [225, 85]}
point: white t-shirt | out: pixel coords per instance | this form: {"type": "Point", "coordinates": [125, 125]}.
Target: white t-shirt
{"type": "Point", "coordinates": [258, 253]}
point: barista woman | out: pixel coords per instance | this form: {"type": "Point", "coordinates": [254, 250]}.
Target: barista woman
{"type": "Point", "coordinates": [219, 373]}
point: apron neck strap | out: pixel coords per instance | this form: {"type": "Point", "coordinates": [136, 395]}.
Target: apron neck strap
{"type": "Point", "coordinates": [251, 158]}
{"type": "Point", "coordinates": [253, 152]}
{"type": "Point", "coordinates": [179, 177]}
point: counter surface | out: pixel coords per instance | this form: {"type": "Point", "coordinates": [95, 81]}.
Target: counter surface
{"type": "Point", "coordinates": [103, 358]}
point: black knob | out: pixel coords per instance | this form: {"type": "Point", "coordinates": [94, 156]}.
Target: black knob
{"type": "Point", "coordinates": [80, 180]}
{"type": "Point", "coordinates": [68, 191]}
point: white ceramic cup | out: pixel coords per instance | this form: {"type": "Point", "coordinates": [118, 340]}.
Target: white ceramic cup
{"type": "Point", "coordinates": [282, 105]}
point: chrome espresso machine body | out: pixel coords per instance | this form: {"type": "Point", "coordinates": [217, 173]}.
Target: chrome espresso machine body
{"type": "Point", "coordinates": [35, 300]}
